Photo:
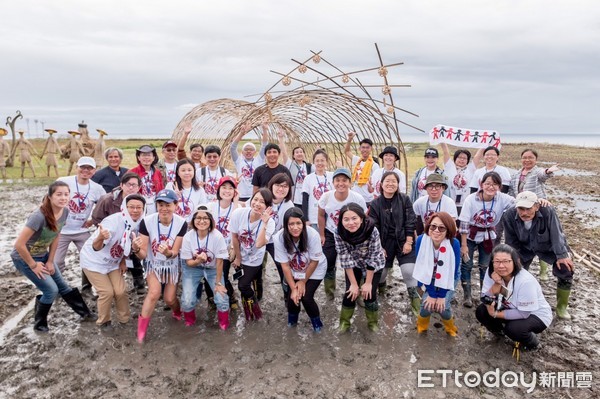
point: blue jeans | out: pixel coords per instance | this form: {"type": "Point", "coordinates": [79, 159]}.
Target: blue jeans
{"type": "Point", "coordinates": [484, 260]}
{"type": "Point", "coordinates": [51, 286]}
{"type": "Point", "coordinates": [446, 313]}
{"type": "Point", "coordinates": [190, 283]}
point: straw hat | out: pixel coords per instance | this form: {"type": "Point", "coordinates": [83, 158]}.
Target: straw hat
{"type": "Point", "coordinates": [74, 133]}
{"type": "Point", "coordinates": [3, 132]}
{"type": "Point", "coordinates": [50, 131]}
{"type": "Point", "coordinates": [102, 132]}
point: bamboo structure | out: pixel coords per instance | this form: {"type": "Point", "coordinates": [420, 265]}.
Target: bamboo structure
{"type": "Point", "coordinates": [313, 113]}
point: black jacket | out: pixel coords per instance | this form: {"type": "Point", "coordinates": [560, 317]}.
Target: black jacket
{"type": "Point", "coordinates": [403, 217]}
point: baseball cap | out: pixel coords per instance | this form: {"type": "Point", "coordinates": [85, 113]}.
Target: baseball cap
{"type": "Point", "coordinates": [86, 161]}
{"type": "Point", "coordinates": [342, 171]}
{"type": "Point", "coordinates": [169, 143]}
{"type": "Point", "coordinates": [167, 196]}
{"type": "Point", "coordinates": [432, 152]}
{"type": "Point", "coordinates": [526, 199]}
{"type": "Point", "coordinates": [226, 179]}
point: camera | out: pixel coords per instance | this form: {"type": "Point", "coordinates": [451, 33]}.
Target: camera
{"type": "Point", "coordinates": [487, 300]}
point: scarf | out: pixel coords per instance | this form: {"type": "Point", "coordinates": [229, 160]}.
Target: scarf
{"type": "Point", "coordinates": [361, 235]}
{"type": "Point", "coordinates": [130, 227]}
{"type": "Point", "coordinates": [365, 173]}
{"type": "Point", "coordinates": [424, 265]}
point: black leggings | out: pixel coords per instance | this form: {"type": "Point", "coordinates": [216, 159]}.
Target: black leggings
{"type": "Point", "coordinates": [284, 284]}
{"type": "Point", "coordinates": [370, 304]}
{"type": "Point", "coordinates": [330, 254]}
{"type": "Point", "coordinates": [245, 282]}
{"type": "Point", "coordinates": [308, 300]}
{"type": "Point", "coordinates": [519, 330]}
{"type": "Point", "coordinates": [228, 285]}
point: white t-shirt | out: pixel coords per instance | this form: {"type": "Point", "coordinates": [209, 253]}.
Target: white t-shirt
{"type": "Point", "coordinates": [81, 202]}
{"type": "Point", "coordinates": [485, 214]}
{"type": "Point", "coordinates": [459, 180]}
{"type": "Point", "coordinates": [245, 171]}
{"type": "Point", "coordinates": [376, 181]}
{"type": "Point", "coordinates": [161, 234]}
{"type": "Point", "coordinates": [189, 199]}
{"type": "Point", "coordinates": [213, 245]}
{"type": "Point", "coordinates": [478, 174]}
{"type": "Point", "coordinates": [524, 294]}
{"type": "Point", "coordinates": [108, 257]}
{"type": "Point", "coordinates": [277, 213]}
{"type": "Point", "coordinates": [222, 218]}
{"type": "Point", "coordinates": [170, 171]}
{"type": "Point", "coordinates": [364, 189]}
{"type": "Point", "coordinates": [300, 171]}
{"type": "Point", "coordinates": [247, 234]}
{"type": "Point", "coordinates": [315, 186]}
{"type": "Point", "coordinates": [212, 180]}
{"type": "Point", "coordinates": [299, 261]}
{"type": "Point", "coordinates": [424, 208]}
{"type": "Point", "coordinates": [332, 207]}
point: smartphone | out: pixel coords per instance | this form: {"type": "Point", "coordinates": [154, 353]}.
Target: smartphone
{"type": "Point", "coordinates": [238, 274]}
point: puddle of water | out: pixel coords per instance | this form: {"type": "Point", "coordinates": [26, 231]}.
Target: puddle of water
{"type": "Point", "coordinates": [12, 323]}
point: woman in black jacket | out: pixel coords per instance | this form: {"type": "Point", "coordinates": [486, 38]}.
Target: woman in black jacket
{"type": "Point", "coordinates": [393, 215]}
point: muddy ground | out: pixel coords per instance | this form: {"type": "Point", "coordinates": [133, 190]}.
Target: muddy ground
{"type": "Point", "coordinates": [267, 359]}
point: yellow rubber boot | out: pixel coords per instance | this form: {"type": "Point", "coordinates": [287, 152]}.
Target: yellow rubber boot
{"type": "Point", "coordinates": [422, 323]}
{"type": "Point", "coordinates": [450, 327]}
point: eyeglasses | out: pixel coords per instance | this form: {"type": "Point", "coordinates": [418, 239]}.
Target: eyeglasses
{"type": "Point", "coordinates": [434, 227]}
{"type": "Point", "coordinates": [490, 185]}
{"type": "Point", "coordinates": [503, 262]}
{"type": "Point", "coordinates": [170, 149]}
{"type": "Point", "coordinates": [86, 167]}
{"type": "Point", "coordinates": [281, 185]}
{"type": "Point", "coordinates": [202, 218]}
{"type": "Point", "coordinates": [434, 186]}
{"type": "Point", "coordinates": [131, 185]}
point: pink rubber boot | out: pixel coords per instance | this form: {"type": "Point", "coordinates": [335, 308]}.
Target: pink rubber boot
{"type": "Point", "coordinates": [142, 328]}
{"type": "Point", "coordinates": [223, 319]}
{"type": "Point", "coordinates": [177, 314]}
{"type": "Point", "coordinates": [190, 318]}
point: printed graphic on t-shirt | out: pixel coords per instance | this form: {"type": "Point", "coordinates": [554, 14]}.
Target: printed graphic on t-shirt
{"type": "Point", "coordinates": [246, 239]}
{"type": "Point", "coordinates": [335, 216]}
{"type": "Point", "coordinates": [211, 186]}
{"type": "Point", "coordinates": [223, 226]}
{"type": "Point", "coordinates": [77, 203]}
{"type": "Point", "coordinates": [116, 251]}
{"type": "Point", "coordinates": [163, 239]}
{"type": "Point", "coordinates": [247, 172]}
{"type": "Point", "coordinates": [210, 256]}
{"type": "Point", "coordinates": [459, 181]}
{"type": "Point", "coordinates": [484, 217]}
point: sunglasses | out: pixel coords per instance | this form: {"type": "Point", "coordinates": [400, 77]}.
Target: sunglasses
{"type": "Point", "coordinates": [434, 227]}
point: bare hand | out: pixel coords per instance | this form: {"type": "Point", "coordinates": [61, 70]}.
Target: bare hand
{"type": "Point", "coordinates": [365, 291]}
{"type": "Point", "coordinates": [491, 309]}
{"type": "Point", "coordinates": [406, 248]}
{"type": "Point", "coordinates": [351, 135]}
{"type": "Point", "coordinates": [566, 262]}
{"type": "Point", "coordinates": [187, 129]}
{"type": "Point", "coordinates": [88, 223]}
{"type": "Point", "coordinates": [496, 277]}
{"type": "Point", "coordinates": [202, 258]}
{"type": "Point", "coordinates": [352, 292]}
{"type": "Point", "coordinates": [294, 296]}
{"type": "Point", "coordinates": [39, 270]}
{"type": "Point", "coordinates": [136, 242]}
{"type": "Point", "coordinates": [552, 169]}
{"type": "Point", "coordinates": [464, 251]}
{"type": "Point", "coordinates": [123, 268]}
{"type": "Point", "coordinates": [49, 268]}
{"type": "Point", "coordinates": [544, 202]}
{"type": "Point", "coordinates": [163, 248]}
{"type": "Point", "coordinates": [300, 289]}
{"type": "Point", "coordinates": [429, 304]}
{"type": "Point", "coordinates": [103, 233]}
{"type": "Point", "coordinates": [220, 289]}
{"type": "Point", "coordinates": [322, 240]}
{"type": "Point", "coordinates": [266, 215]}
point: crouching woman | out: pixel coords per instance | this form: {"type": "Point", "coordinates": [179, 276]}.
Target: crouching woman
{"type": "Point", "coordinates": [358, 245]}
{"type": "Point", "coordinates": [512, 300]}
{"type": "Point", "coordinates": [33, 256]}
{"type": "Point", "coordinates": [437, 270]}
{"type": "Point", "coordinates": [103, 255]}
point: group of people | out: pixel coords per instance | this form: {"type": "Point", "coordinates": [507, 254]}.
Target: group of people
{"type": "Point", "coordinates": [178, 219]}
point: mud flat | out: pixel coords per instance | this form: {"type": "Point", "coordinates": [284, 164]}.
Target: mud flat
{"type": "Point", "coordinates": [269, 360]}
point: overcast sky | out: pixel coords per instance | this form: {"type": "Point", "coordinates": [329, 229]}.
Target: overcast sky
{"type": "Point", "coordinates": [134, 68]}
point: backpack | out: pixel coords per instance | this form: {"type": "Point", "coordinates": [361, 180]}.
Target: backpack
{"type": "Point", "coordinates": [203, 171]}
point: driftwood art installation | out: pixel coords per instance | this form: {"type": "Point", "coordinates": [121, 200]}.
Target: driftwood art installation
{"type": "Point", "coordinates": [313, 113]}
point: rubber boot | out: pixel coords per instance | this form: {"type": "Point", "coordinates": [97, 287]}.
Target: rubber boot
{"type": "Point", "coordinates": [345, 319]}
{"type": "Point", "coordinates": [372, 319]}
{"type": "Point", "coordinates": [422, 323]}
{"type": "Point", "coordinates": [75, 301]}
{"type": "Point", "coordinates": [176, 314]}
{"type": "Point", "coordinates": [41, 315]}
{"type": "Point", "coordinates": [415, 300]}
{"type": "Point", "coordinates": [142, 328]}
{"type": "Point", "coordinates": [562, 302]}
{"type": "Point", "coordinates": [316, 324]}
{"type": "Point", "coordinates": [382, 288]}
{"type": "Point", "coordinates": [223, 317]}
{"type": "Point", "coordinates": [190, 318]}
{"type": "Point", "coordinates": [450, 327]}
{"type": "Point", "coordinates": [532, 343]}
{"type": "Point", "coordinates": [543, 271]}
{"type": "Point", "coordinates": [466, 286]}
{"type": "Point", "coordinates": [329, 285]}
{"type": "Point", "coordinates": [256, 310]}
{"type": "Point", "coordinates": [246, 303]}
{"type": "Point", "coordinates": [293, 319]}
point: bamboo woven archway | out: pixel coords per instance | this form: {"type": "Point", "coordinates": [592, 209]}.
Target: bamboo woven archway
{"type": "Point", "coordinates": [313, 114]}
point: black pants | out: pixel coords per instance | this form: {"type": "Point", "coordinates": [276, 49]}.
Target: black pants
{"type": "Point", "coordinates": [308, 300]}
{"type": "Point", "coordinates": [564, 275]}
{"type": "Point", "coordinates": [245, 282]}
{"type": "Point", "coordinates": [370, 304]}
{"type": "Point", "coordinates": [137, 271]}
{"type": "Point", "coordinates": [330, 254]}
{"type": "Point", "coordinates": [228, 285]}
{"type": "Point", "coordinates": [520, 330]}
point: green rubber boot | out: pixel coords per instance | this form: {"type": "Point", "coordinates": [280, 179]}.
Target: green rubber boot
{"type": "Point", "coordinates": [329, 285]}
{"type": "Point", "coordinates": [415, 300]}
{"type": "Point", "coordinates": [562, 302]}
{"type": "Point", "coordinates": [372, 319]}
{"type": "Point", "coordinates": [543, 271]}
{"type": "Point", "coordinates": [345, 319]}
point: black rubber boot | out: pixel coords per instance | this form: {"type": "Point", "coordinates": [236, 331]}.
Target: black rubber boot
{"type": "Point", "coordinates": [41, 315]}
{"type": "Point", "coordinates": [76, 302]}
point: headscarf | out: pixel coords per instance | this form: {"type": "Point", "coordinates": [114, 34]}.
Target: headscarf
{"type": "Point", "coordinates": [130, 226]}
